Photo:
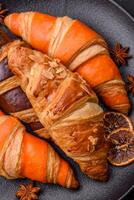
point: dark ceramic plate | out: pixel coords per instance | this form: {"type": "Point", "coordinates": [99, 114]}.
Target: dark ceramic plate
{"type": "Point", "coordinates": [115, 25]}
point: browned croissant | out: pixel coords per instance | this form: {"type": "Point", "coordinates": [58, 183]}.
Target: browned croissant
{"type": "Point", "coordinates": [24, 155]}
{"type": "Point", "coordinates": [67, 107]}
{"type": "Point", "coordinates": [12, 98]}
{"type": "Point", "coordinates": [77, 46]}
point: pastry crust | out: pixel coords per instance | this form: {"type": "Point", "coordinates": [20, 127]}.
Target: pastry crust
{"type": "Point", "coordinates": [77, 46]}
{"type": "Point", "coordinates": [25, 156]}
{"type": "Point", "coordinates": [12, 99]}
{"type": "Point", "coordinates": [8, 84]}
{"type": "Point", "coordinates": [27, 115]}
{"type": "Point", "coordinates": [61, 26]}
{"type": "Point", "coordinates": [8, 170]}
{"type": "Point", "coordinates": [87, 54]}
{"type": "Point", "coordinates": [66, 106]}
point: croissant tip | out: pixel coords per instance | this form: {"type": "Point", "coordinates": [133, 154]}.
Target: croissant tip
{"type": "Point", "coordinates": [7, 20]}
{"type": "Point", "coordinates": [103, 178]}
{"type": "Point", "coordinates": [12, 22]}
{"type": "Point", "coordinates": [75, 184]}
{"type": "Point", "coordinates": [125, 110]}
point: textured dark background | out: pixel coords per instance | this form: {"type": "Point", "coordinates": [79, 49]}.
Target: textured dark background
{"type": "Point", "coordinates": [129, 6]}
{"type": "Point", "coordinates": [115, 26]}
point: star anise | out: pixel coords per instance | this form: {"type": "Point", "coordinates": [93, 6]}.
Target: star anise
{"type": "Point", "coordinates": [130, 86]}
{"type": "Point", "coordinates": [27, 192]}
{"type": "Point", "coordinates": [3, 11]}
{"type": "Point", "coordinates": [120, 54]}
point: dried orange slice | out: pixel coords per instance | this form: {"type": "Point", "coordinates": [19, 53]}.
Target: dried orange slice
{"type": "Point", "coordinates": [115, 120]}
{"type": "Point", "coordinates": [122, 147]}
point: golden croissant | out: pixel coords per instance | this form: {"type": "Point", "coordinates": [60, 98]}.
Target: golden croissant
{"type": "Point", "coordinates": [23, 155]}
{"type": "Point", "coordinates": [12, 98]}
{"type": "Point", "coordinates": [79, 47]}
{"type": "Point", "coordinates": [65, 105]}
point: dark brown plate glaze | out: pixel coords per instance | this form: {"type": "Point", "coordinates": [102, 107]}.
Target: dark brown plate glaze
{"type": "Point", "coordinates": [115, 25]}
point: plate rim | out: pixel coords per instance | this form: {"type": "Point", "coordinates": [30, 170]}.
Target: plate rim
{"type": "Point", "coordinates": [122, 9]}
{"type": "Point", "coordinates": [132, 19]}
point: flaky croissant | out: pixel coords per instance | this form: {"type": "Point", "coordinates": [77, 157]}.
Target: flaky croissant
{"type": "Point", "coordinates": [12, 98]}
{"type": "Point", "coordinates": [24, 155]}
{"type": "Point", "coordinates": [66, 106]}
{"type": "Point", "coordinates": [78, 47]}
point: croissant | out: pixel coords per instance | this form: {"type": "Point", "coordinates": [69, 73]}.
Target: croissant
{"type": "Point", "coordinates": [24, 155]}
{"type": "Point", "coordinates": [12, 98]}
{"type": "Point", "coordinates": [66, 106]}
{"type": "Point", "coordinates": [78, 47]}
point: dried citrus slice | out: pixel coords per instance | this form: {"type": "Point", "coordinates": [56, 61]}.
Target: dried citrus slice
{"type": "Point", "coordinates": [122, 147]}
{"type": "Point", "coordinates": [115, 120]}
